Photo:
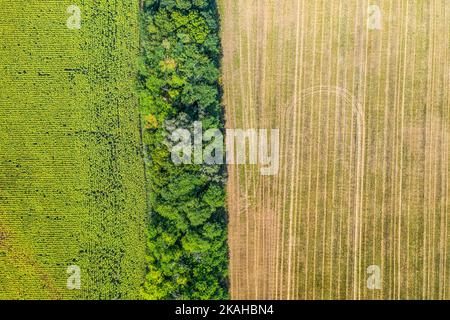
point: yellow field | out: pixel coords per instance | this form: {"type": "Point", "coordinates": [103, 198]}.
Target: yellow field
{"type": "Point", "coordinates": [364, 118]}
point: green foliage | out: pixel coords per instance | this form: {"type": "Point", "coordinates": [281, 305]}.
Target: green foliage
{"type": "Point", "coordinates": [187, 249]}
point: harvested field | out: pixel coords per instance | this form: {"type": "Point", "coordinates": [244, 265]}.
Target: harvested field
{"type": "Point", "coordinates": [364, 114]}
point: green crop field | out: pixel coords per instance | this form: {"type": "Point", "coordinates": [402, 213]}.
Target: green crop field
{"type": "Point", "coordinates": [72, 187]}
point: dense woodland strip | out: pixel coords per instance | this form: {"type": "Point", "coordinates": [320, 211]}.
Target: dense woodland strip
{"type": "Point", "coordinates": [71, 174]}
{"type": "Point", "coordinates": [179, 77]}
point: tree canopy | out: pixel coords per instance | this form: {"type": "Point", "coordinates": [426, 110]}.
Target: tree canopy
{"type": "Point", "coordinates": [179, 84]}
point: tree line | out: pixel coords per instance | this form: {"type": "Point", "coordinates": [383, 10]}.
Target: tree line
{"type": "Point", "coordinates": [179, 84]}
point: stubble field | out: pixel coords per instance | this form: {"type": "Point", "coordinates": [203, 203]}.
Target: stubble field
{"type": "Point", "coordinates": [364, 118]}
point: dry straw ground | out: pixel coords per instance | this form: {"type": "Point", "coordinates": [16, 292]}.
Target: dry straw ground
{"type": "Point", "coordinates": [364, 174]}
